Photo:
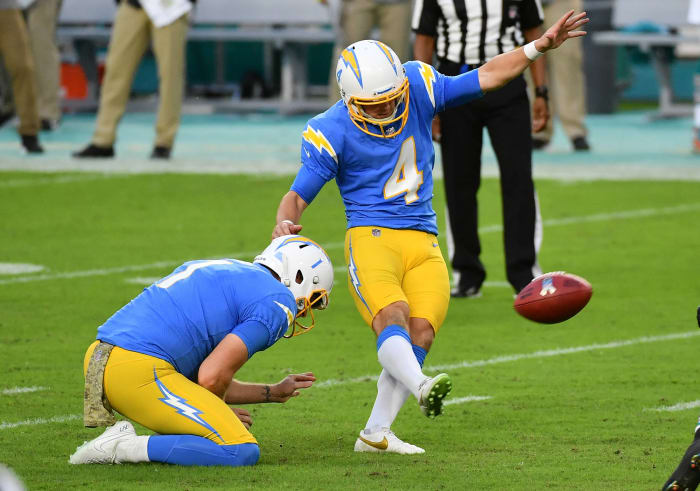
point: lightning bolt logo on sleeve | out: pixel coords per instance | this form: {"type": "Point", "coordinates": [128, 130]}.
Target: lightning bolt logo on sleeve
{"type": "Point", "coordinates": [290, 316]}
{"type": "Point", "coordinates": [181, 407]}
{"type": "Point", "coordinates": [426, 72]}
{"type": "Point", "coordinates": [319, 141]}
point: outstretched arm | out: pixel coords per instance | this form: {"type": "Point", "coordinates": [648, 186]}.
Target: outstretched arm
{"type": "Point", "coordinates": [288, 214]}
{"type": "Point", "coordinates": [505, 67]}
{"type": "Point", "coordinates": [217, 370]}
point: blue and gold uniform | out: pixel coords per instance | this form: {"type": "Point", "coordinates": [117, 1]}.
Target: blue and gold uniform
{"type": "Point", "coordinates": [387, 187]}
{"type": "Point", "coordinates": [163, 335]}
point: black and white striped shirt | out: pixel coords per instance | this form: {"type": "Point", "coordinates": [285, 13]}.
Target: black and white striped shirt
{"type": "Point", "coordinates": [474, 31]}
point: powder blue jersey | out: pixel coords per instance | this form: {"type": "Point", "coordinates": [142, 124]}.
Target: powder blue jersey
{"type": "Point", "coordinates": [181, 318]}
{"type": "Point", "coordinates": [384, 182]}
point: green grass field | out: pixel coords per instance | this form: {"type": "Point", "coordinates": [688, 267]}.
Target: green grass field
{"type": "Point", "coordinates": [550, 417]}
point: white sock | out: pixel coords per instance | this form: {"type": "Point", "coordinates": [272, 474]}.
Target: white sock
{"type": "Point", "coordinates": [696, 115]}
{"type": "Point", "coordinates": [391, 395]}
{"type": "Point", "coordinates": [397, 357]}
{"type": "Point", "coordinates": [133, 450]}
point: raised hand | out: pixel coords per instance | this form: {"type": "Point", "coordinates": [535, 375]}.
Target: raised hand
{"type": "Point", "coordinates": [289, 386]}
{"type": "Point", "coordinates": [565, 28]}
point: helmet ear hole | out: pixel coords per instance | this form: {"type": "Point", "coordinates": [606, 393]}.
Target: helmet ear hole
{"type": "Point", "coordinates": [300, 277]}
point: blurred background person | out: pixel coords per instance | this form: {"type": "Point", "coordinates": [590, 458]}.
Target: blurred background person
{"type": "Point", "coordinates": [359, 18]}
{"type": "Point", "coordinates": [694, 19]}
{"type": "Point", "coordinates": [42, 18]}
{"type": "Point", "coordinates": [566, 82]}
{"type": "Point", "coordinates": [467, 34]}
{"type": "Point", "coordinates": [165, 25]}
{"type": "Point", "coordinates": [16, 53]}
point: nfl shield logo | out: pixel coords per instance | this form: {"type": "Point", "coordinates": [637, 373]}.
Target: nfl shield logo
{"type": "Point", "coordinates": [376, 232]}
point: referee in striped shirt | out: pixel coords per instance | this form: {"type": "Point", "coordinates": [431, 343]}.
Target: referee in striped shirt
{"type": "Point", "coordinates": [465, 34]}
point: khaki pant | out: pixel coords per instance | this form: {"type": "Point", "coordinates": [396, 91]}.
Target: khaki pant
{"type": "Point", "coordinates": [565, 73]}
{"type": "Point", "coordinates": [16, 53]}
{"type": "Point", "coordinates": [42, 17]}
{"type": "Point", "coordinates": [131, 34]}
{"type": "Point", "coordinates": [357, 20]}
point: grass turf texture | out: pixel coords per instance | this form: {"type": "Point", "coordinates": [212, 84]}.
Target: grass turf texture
{"type": "Point", "coordinates": [574, 421]}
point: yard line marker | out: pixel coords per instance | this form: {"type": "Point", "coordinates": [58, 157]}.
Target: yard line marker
{"type": "Point", "coordinates": [681, 406]}
{"type": "Point", "coordinates": [524, 356]}
{"type": "Point", "coordinates": [40, 421]}
{"type": "Point", "coordinates": [22, 390]}
{"type": "Point", "coordinates": [602, 217]}
{"type": "Point", "coordinates": [126, 269]}
{"type": "Point", "coordinates": [622, 215]}
{"type": "Point", "coordinates": [462, 400]}
{"type": "Point", "coordinates": [141, 280]}
{"type": "Point", "coordinates": [14, 183]}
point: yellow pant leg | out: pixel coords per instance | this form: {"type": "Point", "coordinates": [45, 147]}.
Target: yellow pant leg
{"type": "Point", "coordinates": [375, 270]}
{"type": "Point", "coordinates": [151, 392]}
{"type": "Point", "coordinates": [427, 282]}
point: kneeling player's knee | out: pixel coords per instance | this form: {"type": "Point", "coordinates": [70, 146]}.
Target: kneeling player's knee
{"type": "Point", "coordinates": [243, 453]}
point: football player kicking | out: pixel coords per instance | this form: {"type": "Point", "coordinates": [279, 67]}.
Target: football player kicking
{"type": "Point", "coordinates": [376, 144]}
{"type": "Point", "coordinates": [167, 359]}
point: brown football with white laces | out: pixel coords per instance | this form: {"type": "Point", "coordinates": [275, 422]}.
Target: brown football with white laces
{"type": "Point", "coordinates": [553, 297]}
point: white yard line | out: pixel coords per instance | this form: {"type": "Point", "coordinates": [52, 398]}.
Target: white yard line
{"type": "Point", "coordinates": [22, 390]}
{"type": "Point", "coordinates": [523, 356]}
{"type": "Point", "coordinates": [16, 183]}
{"type": "Point", "coordinates": [621, 215]}
{"type": "Point", "coordinates": [40, 421]}
{"type": "Point", "coordinates": [453, 366]}
{"type": "Point", "coordinates": [462, 400]}
{"type": "Point", "coordinates": [681, 406]}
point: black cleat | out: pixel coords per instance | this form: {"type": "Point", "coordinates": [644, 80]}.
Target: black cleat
{"type": "Point", "coordinates": [580, 144]}
{"type": "Point", "coordinates": [160, 152]}
{"type": "Point", "coordinates": [31, 144]}
{"type": "Point", "coordinates": [538, 144]}
{"type": "Point", "coordinates": [462, 292]}
{"type": "Point", "coordinates": [686, 477]}
{"type": "Point", "coordinates": [94, 152]}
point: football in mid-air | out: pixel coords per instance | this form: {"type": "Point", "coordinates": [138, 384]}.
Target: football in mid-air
{"type": "Point", "coordinates": [553, 297]}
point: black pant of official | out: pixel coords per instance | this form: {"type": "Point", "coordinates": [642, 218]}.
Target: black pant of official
{"type": "Point", "coordinates": [506, 115]}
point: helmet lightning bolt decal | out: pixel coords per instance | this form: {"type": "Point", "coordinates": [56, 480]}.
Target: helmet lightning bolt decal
{"type": "Point", "coordinates": [318, 140]}
{"type": "Point", "coordinates": [385, 49]}
{"type": "Point", "coordinates": [350, 60]}
{"type": "Point", "coordinates": [181, 406]}
{"type": "Point", "coordinates": [426, 71]}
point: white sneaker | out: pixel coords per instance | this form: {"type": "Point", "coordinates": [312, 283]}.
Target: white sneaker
{"type": "Point", "coordinates": [432, 392]}
{"type": "Point", "coordinates": [384, 441]}
{"type": "Point", "coordinates": [103, 449]}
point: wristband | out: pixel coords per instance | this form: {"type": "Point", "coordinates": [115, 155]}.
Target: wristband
{"type": "Point", "coordinates": [287, 221]}
{"type": "Point", "coordinates": [531, 51]}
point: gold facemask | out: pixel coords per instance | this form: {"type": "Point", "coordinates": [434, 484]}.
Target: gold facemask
{"type": "Point", "coordinates": [362, 120]}
{"type": "Point", "coordinates": [319, 301]}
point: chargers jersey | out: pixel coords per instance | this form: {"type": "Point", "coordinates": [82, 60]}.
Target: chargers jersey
{"type": "Point", "coordinates": [384, 182]}
{"type": "Point", "coordinates": [182, 317]}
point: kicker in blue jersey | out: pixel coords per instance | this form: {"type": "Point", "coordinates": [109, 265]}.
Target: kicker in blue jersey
{"type": "Point", "coordinates": [383, 181]}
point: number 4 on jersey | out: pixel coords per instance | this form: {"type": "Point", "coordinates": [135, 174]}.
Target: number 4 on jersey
{"type": "Point", "coordinates": [406, 177]}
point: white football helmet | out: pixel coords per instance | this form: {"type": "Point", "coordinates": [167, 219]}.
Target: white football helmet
{"type": "Point", "coordinates": [370, 73]}
{"type": "Point", "coordinates": [304, 267]}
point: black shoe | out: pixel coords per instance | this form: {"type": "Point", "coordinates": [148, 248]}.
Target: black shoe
{"type": "Point", "coordinates": [160, 152]}
{"type": "Point", "coordinates": [580, 144]}
{"type": "Point", "coordinates": [5, 117]}
{"type": "Point", "coordinates": [538, 144]}
{"type": "Point", "coordinates": [48, 125]}
{"type": "Point", "coordinates": [31, 144]}
{"type": "Point", "coordinates": [93, 151]}
{"type": "Point", "coordinates": [466, 292]}
{"type": "Point", "coordinates": [686, 477]}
